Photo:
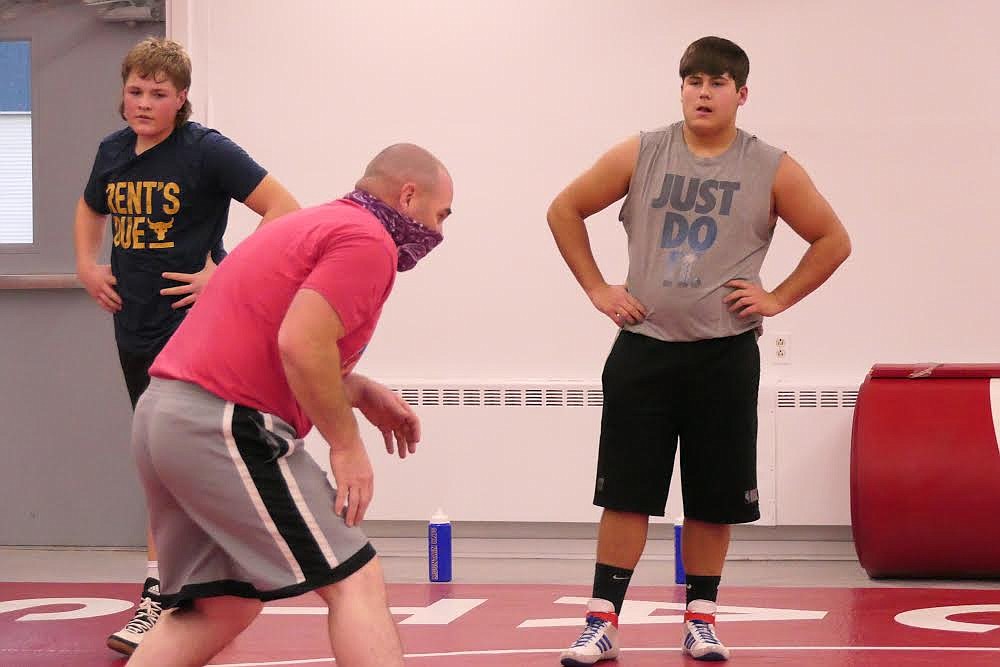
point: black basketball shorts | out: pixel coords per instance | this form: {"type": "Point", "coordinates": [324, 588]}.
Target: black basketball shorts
{"type": "Point", "coordinates": [702, 394]}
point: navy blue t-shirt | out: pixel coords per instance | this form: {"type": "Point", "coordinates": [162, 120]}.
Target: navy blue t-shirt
{"type": "Point", "coordinates": [169, 208]}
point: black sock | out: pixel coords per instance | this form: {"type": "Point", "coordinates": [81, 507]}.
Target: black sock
{"type": "Point", "coordinates": [610, 583]}
{"type": "Point", "coordinates": [702, 588]}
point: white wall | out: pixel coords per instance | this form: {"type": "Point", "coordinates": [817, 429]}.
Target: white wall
{"type": "Point", "coordinates": [889, 105]}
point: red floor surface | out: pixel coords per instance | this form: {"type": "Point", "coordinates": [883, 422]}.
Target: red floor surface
{"type": "Point", "coordinates": [493, 625]}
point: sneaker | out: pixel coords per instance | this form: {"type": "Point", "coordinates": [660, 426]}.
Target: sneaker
{"type": "Point", "coordinates": [599, 640]}
{"type": "Point", "coordinates": [700, 641]}
{"type": "Point", "coordinates": [127, 639]}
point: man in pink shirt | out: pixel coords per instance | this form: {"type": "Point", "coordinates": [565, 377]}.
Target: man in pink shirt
{"type": "Point", "coordinates": [240, 512]}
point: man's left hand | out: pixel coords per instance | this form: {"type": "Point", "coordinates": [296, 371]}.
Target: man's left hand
{"type": "Point", "coordinates": [391, 415]}
{"type": "Point", "coordinates": [749, 299]}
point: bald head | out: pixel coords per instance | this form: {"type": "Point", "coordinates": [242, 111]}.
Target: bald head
{"type": "Point", "coordinates": [411, 180]}
{"type": "Point", "coordinates": [399, 164]}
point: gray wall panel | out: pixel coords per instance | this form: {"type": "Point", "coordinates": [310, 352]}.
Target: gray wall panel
{"type": "Point", "coordinates": [66, 475]}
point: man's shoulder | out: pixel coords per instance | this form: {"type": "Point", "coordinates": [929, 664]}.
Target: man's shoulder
{"type": "Point", "coordinates": [336, 230]}
{"type": "Point", "coordinates": [754, 142]}
{"type": "Point", "coordinates": [347, 217]}
{"type": "Point", "coordinates": [662, 131]}
{"type": "Point", "coordinates": [353, 229]}
{"type": "Point", "coordinates": [658, 136]}
{"type": "Point", "coordinates": [338, 216]}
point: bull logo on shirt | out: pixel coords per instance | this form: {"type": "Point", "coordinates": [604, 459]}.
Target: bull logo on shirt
{"type": "Point", "coordinates": [160, 228]}
{"type": "Point", "coordinates": [140, 206]}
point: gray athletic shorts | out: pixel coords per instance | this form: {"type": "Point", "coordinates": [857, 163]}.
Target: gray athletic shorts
{"type": "Point", "coordinates": [236, 505]}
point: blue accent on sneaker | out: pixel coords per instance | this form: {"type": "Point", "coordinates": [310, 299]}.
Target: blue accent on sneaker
{"type": "Point", "coordinates": [594, 626]}
{"type": "Point", "coordinates": [703, 634]}
{"type": "Point", "coordinates": [594, 644]}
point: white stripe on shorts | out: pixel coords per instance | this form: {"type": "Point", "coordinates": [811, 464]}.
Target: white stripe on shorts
{"type": "Point", "coordinates": [258, 502]}
{"type": "Point", "coordinates": [300, 502]}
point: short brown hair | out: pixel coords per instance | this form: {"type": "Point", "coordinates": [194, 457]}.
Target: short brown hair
{"type": "Point", "coordinates": [154, 56]}
{"type": "Point", "coordinates": [716, 56]}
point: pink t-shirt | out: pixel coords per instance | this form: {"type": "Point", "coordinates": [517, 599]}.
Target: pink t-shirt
{"type": "Point", "coordinates": [228, 342]}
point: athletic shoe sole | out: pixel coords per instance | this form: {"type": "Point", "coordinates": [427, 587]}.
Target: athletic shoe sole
{"type": "Point", "coordinates": [120, 645]}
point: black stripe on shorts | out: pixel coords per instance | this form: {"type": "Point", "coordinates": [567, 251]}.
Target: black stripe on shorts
{"type": "Point", "coordinates": [260, 450]}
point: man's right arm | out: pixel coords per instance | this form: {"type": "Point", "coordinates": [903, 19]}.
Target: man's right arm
{"type": "Point", "coordinates": [88, 235]}
{"type": "Point", "coordinates": [307, 343]}
{"type": "Point", "coordinates": [597, 188]}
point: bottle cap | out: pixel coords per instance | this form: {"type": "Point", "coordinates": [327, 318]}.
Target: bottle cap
{"type": "Point", "coordinates": [439, 516]}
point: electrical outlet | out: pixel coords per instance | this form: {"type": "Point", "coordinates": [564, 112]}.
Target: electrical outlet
{"type": "Point", "coordinates": [781, 349]}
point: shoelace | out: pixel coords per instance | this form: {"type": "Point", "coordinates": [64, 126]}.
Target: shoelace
{"type": "Point", "coordinates": [704, 632]}
{"type": "Point", "coordinates": [594, 626]}
{"type": "Point", "coordinates": [145, 616]}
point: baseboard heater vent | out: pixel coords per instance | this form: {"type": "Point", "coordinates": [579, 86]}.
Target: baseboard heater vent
{"type": "Point", "coordinates": [817, 398]}
{"type": "Point", "coordinates": [505, 395]}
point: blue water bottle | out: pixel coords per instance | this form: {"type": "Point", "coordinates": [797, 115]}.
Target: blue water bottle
{"type": "Point", "coordinates": [679, 577]}
{"type": "Point", "coordinates": [439, 547]}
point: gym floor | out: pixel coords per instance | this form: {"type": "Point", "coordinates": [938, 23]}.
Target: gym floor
{"type": "Point", "coordinates": [788, 597]}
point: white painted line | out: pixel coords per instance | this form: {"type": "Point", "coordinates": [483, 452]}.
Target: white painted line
{"type": "Point", "coordinates": [994, 649]}
{"type": "Point", "coordinates": [643, 612]}
{"type": "Point", "coordinates": [330, 661]}
{"type": "Point", "coordinates": [936, 618]}
{"type": "Point", "coordinates": [89, 608]}
{"type": "Point", "coordinates": [995, 407]}
{"type": "Point", "coordinates": [442, 612]}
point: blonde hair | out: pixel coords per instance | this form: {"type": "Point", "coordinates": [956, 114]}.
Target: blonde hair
{"type": "Point", "coordinates": [154, 57]}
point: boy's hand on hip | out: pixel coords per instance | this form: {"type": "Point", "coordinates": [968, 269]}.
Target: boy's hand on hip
{"type": "Point", "coordinates": [99, 282]}
{"type": "Point", "coordinates": [194, 284]}
{"type": "Point", "coordinates": [749, 299]}
{"type": "Point", "coordinates": [616, 302]}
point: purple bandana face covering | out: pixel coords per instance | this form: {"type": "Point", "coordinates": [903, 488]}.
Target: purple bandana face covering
{"type": "Point", "coordinates": [412, 239]}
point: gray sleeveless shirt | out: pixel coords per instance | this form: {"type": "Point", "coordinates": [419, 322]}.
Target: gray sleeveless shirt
{"type": "Point", "coordinates": [694, 224]}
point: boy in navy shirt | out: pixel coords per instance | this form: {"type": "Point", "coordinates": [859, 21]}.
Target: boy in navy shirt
{"type": "Point", "coordinates": [166, 183]}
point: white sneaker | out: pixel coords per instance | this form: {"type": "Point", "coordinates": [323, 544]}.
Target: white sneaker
{"type": "Point", "coordinates": [127, 639]}
{"type": "Point", "coordinates": [598, 641]}
{"type": "Point", "coordinates": [700, 641]}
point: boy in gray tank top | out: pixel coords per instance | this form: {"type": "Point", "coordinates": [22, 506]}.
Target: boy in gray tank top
{"type": "Point", "coordinates": [701, 201]}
